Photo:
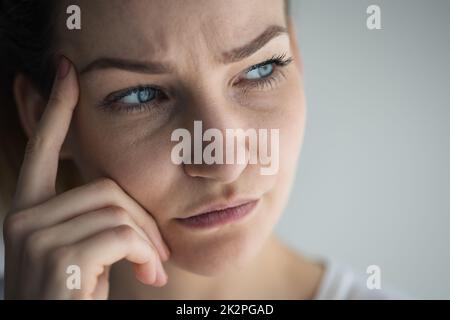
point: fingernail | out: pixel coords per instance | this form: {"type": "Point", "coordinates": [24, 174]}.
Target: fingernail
{"type": "Point", "coordinates": [158, 280]}
{"type": "Point", "coordinates": [63, 67]}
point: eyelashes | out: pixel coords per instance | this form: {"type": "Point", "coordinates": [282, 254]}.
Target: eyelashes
{"type": "Point", "coordinates": [146, 97]}
{"type": "Point", "coordinates": [272, 67]}
{"type": "Point", "coordinates": [261, 77]}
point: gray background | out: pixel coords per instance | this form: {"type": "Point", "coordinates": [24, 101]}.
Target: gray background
{"type": "Point", "coordinates": [373, 184]}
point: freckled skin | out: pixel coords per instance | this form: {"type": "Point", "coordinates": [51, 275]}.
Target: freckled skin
{"type": "Point", "coordinates": [134, 149]}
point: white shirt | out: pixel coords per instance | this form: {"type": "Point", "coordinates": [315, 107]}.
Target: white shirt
{"type": "Point", "coordinates": [342, 283]}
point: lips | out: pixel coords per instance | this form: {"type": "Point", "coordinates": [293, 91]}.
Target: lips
{"type": "Point", "coordinates": [220, 214]}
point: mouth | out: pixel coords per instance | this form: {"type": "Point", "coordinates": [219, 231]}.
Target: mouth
{"type": "Point", "coordinates": [220, 214]}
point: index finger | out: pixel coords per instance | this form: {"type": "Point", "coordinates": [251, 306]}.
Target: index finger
{"type": "Point", "coordinates": [37, 176]}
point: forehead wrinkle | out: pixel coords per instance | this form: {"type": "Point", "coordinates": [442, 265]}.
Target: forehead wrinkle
{"type": "Point", "coordinates": [206, 34]}
{"type": "Point", "coordinates": [227, 39]}
{"type": "Point", "coordinates": [132, 38]}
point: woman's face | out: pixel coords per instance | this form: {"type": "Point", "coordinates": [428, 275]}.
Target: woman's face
{"type": "Point", "coordinates": [197, 56]}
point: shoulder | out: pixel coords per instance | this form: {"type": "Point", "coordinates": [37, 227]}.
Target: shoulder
{"type": "Point", "coordinates": [340, 282]}
{"type": "Point", "coordinates": [321, 278]}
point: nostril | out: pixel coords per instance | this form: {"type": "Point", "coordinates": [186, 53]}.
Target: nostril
{"type": "Point", "coordinates": [224, 173]}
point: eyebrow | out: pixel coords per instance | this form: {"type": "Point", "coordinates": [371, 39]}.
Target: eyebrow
{"type": "Point", "coordinates": [254, 45]}
{"type": "Point", "coordinates": [126, 64]}
{"type": "Point", "coordinates": [160, 68]}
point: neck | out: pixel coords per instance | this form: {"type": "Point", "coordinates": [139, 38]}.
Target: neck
{"type": "Point", "coordinates": [265, 274]}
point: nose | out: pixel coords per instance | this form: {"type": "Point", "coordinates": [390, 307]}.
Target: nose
{"type": "Point", "coordinates": [215, 152]}
{"type": "Point", "coordinates": [224, 173]}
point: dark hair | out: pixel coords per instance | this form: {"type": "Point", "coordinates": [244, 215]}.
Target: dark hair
{"type": "Point", "coordinates": [26, 40]}
{"type": "Point", "coordinates": [26, 36]}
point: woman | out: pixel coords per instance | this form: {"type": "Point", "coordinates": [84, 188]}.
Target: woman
{"type": "Point", "coordinates": [104, 101]}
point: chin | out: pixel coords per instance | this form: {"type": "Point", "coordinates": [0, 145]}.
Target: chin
{"type": "Point", "coordinates": [215, 255]}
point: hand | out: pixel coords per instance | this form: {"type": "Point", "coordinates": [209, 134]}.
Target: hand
{"type": "Point", "coordinates": [92, 226]}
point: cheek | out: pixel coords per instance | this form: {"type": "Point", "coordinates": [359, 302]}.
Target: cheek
{"type": "Point", "coordinates": [137, 158]}
{"type": "Point", "coordinates": [290, 120]}
{"type": "Point", "coordinates": [287, 113]}
{"type": "Point", "coordinates": [292, 126]}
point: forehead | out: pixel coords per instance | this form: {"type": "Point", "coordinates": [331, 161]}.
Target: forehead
{"type": "Point", "coordinates": [165, 28]}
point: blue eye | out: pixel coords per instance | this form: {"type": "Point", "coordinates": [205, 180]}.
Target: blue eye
{"type": "Point", "coordinates": [259, 72]}
{"type": "Point", "coordinates": [139, 96]}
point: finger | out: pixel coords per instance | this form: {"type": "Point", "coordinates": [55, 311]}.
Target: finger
{"type": "Point", "coordinates": [37, 177]}
{"type": "Point", "coordinates": [40, 242]}
{"type": "Point", "coordinates": [102, 289]}
{"type": "Point", "coordinates": [91, 197]}
{"type": "Point", "coordinates": [141, 271]}
{"type": "Point", "coordinates": [108, 247]}
{"type": "Point", "coordinates": [83, 226]}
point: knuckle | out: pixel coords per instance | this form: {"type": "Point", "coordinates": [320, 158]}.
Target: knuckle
{"type": "Point", "coordinates": [35, 143]}
{"type": "Point", "coordinates": [106, 184]}
{"type": "Point", "coordinates": [35, 245]}
{"type": "Point", "coordinates": [60, 257]}
{"type": "Point", "coordinates": [38, 239]}
{"type": "Point", "coordinates": [55, 98]}
{"type": "Point", "coordinates": [14, 225]}
{"type": "Point", "coordinates": [125, 233]}
{"type": "Point", "coordinates": [119, 215]}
